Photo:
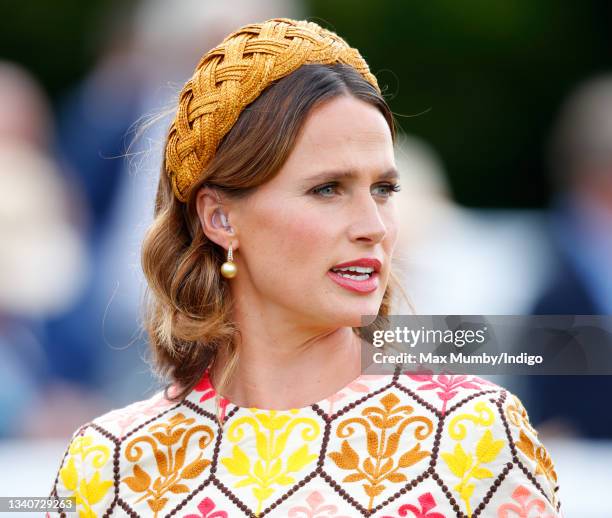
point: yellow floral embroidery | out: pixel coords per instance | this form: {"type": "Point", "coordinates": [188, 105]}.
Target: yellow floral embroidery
{"type": "Point", "coordinates": [484, 417]}
{"type": "Point", "coordinates": [86, 492]}
{"type": "Point", "coordinates": [169, 464]}
{"type": "Point", "coordinates": [467, 466]}
{"type": "Point", "coordinates": [272, 431]}
{"type": "Point", "coordinates": [380, 465]}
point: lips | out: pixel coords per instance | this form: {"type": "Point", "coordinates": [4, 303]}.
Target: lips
{"type": "Point", "coordinates": [365, 262]}
{"type": "Point", "coordinates": [360, 286]}
{"type": "Point", "coordinates": [359, 275]}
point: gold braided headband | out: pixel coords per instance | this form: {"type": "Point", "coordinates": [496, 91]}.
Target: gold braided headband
{"type": "Point", "coordinates": [232, 75]}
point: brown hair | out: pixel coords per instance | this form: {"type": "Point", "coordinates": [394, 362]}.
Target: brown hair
{"type": "Point", "coordinates": [188, 308]}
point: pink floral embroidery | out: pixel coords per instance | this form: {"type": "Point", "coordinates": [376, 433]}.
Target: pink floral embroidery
{"type": "Point", "coordinates": [427, 502]}
{"type": "Point", "coordinates": [208, 392]}
{"type": "Point", "coordinates": [356, 386]}
{"type": "Point", "coordinates": [521, 495]}
{"type": "Point", "coordinates": [205, 507]}
{"type": "Point", "coordinates": [316, 508]}
{"type": "Point", "coordinates": [447, 385]}
{"type": "Point", "coordinates": [125, 417]}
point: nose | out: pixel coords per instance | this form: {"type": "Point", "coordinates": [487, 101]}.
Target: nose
{"type": "Point", "coordinates": [367, 224]}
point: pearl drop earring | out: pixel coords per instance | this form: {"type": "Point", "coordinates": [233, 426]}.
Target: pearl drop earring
{"type": "Point", "coordinates": [229, 268]}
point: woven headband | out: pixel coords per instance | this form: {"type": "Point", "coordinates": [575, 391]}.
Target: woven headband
{"type": "Point", "coordinates": [232, 75]}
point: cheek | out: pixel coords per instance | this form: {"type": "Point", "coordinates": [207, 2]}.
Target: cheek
{"type": "Point", "coordinates": [391, 222]}
{"type": "Point", "coordinates": [307, 242]}
{"type": "Point", "coordinates": [392, 237]}
{"type": "Point", "coordinates": [295, 246]}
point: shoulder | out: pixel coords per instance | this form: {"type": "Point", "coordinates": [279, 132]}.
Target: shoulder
{"type": "Point", "coordinates": [89, 466]}
{"type": "Point", "coordinates": [120, 422]}
{"type": "Point", "coordinates": [486, 453]}
{"type": "Point", "coordinates": [480, 451]}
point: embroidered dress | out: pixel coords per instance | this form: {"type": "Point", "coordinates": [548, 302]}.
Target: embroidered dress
{"type": "Point", "coordinates": [384, 446]}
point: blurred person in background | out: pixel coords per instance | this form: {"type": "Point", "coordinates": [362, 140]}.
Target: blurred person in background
{"type": "Point", "coordinates": [458, 260]}
{"type": "Point", "coordinates": [42, 262]}
{"type": "Point", "coordinates": [580, 280]}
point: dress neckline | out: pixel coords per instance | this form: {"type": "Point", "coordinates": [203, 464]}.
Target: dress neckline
{"type": "Point", "coordinates": [205, 385]}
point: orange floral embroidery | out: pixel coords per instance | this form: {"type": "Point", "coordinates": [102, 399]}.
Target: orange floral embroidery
{"type": "Point", "coordinates": [380, 464]}
{"type": "Point", "coordinates": [169, 464]}
{"type": "Point", "coordinates": [537, 453]}
{"type": "Point", "coordinates": [517, 415]}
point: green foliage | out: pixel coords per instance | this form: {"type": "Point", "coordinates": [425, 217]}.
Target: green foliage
{"type": "Point", "coordinates": [486, 78]}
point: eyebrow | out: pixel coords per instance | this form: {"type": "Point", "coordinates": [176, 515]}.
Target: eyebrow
{"type": "Point", "coordinates": [326, 176]}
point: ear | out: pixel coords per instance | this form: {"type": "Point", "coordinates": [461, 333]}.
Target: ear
{"type": "Point", "coordinates": [214, 215]}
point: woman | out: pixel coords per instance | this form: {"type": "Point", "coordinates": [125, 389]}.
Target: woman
{"type": "Point", "coordinates": [274, 233]}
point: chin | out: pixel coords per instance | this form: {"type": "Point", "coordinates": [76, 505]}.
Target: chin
{"type": "Point", "coordinates": [354, 316]}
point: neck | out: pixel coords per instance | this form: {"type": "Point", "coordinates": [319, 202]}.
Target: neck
{"type": "Point", "coordinates": [290, 368]}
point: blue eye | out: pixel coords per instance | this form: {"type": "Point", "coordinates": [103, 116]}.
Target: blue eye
{"type": "Point", "coordinates": [325, 190]}
{"type": "Point", "coordinates": [390, 189]}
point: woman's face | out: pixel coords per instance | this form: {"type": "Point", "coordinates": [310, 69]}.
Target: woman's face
{"type": "Point", "coordinates": [330, 204]}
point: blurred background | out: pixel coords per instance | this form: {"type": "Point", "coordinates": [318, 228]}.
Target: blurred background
{"type": "Point", "coordinates": [505, 111]}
